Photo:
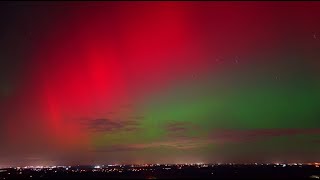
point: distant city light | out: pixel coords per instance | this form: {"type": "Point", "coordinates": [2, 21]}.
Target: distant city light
{"type": "Point", "coordinates": [41, 171]}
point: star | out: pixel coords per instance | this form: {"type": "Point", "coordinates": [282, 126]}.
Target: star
{"type": "Point", "coordinates": [236, 61]}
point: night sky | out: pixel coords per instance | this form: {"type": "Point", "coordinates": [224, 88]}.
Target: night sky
{"type": "Point", "coordinates": [159, 82]}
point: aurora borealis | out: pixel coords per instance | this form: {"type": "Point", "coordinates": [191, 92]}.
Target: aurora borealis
{"type": "Point", "coordinates": [159, 82]}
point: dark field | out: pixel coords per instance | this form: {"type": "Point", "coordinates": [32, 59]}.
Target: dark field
{"type": "Point", "coordinates": [203, 171]}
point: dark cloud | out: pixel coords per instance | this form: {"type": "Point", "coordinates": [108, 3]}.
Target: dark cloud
{"type": "Point", "coordinates": [117, 148]}
{"type": "Point", "coordinates": [176, 128]}
{"type": "Point", "coordinates": [177, 143]}
{"type": "Point", "coordinates": [108, 125]}
{"type": "Point", "coordinates": [181, 129]}
{"type": "Point", "coordinates": [137, 117]}
{"type": "Point", "coordinates": [239, 136]}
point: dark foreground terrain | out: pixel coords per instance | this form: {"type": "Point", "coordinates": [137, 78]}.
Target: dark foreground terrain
{"type": "Point", "coordinates": [157, 171]}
